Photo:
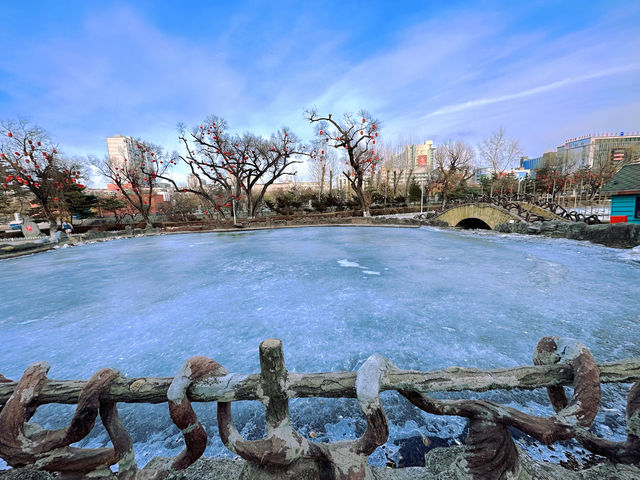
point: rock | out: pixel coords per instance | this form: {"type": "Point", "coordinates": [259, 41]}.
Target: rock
{"type": "Point", "coordinates": [440, 464]}
{"type": "Point", "coordinates": [203, 469]}
{"type": "Point", "coordinates": [575, 230]}
{"type": "Point", "coordinates": [618, 235]}
{"type": "Point", "coordinates": [30, 228]}
{"type": "Point", "coordinates": [412, 450]}
{"type": "Point", "coordinates": [26, 473]}
{"type": "Point", "coordinates": [547, 227]}
{"type": "Point", "coordinates": [621, 235]}
{"type": "Point", "coordinates": [534, 228]}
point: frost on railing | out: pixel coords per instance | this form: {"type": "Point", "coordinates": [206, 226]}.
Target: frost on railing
{"type": "Point", "coordinates": [286, 454]}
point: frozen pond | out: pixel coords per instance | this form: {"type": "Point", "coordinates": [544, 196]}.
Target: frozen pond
{"type": "Point", "coordinates": [425, 298]}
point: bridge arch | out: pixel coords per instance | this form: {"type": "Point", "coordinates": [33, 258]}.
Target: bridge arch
{"type": "Point", "coordinates": [472, 223]}
{"type": "Point", "coordinates": [477, 215]}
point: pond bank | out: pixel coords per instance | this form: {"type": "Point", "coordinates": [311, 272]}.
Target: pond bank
{"type": "Point", "coordinates": [617, 235]}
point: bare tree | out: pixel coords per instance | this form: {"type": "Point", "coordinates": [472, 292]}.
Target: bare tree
{"type": "Point", "coordinates": [136, 175]}
{"type": "Point", "coordinates": [185, 204]}
{"type": "Point", "coordinates": [270, 160]}
{"type": "Point", "coordinates": [332, 166]}
{"type": "Point", "coordinates": [233, 164]}
{"type": "Point", "coordinates": [397, 164]}
{"type": "Point", "coordinates": [453, 166]}
{"type": "Point", "coordinates": [318, 169]}
{"type": "Point", "coordinates": [556, 174]}
{"type": "Point", "coordinates": [32, 163]}
{"type": "Point", "coordinates": [499, 153]}
{"type": "Point", "coordinates": [358, 139]}
{"type": "Point", "coordinates": [322, 165]}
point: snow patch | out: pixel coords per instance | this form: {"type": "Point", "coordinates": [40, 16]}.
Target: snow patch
{"type": "Point", "coordinates": [346, 263]}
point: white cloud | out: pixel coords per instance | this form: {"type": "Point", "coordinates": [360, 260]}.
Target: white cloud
{"type": "Point", "coordinates": [532, 91]}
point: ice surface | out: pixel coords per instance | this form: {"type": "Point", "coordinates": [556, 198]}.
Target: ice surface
{"type": "Point", "coordinates": [346, 263]}
{"type": "Point", "coordinates": [146, 305]}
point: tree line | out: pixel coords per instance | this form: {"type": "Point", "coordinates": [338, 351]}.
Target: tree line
{"type": "Point", "coordinates": [231, 172]}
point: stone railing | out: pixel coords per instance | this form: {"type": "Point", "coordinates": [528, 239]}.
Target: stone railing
{"type": "Point", "coordinates": [284, 453]}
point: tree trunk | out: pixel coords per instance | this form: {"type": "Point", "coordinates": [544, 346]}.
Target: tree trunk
{"type": "Point", "coordinates": [386, 189]}
{"type": "Point", "coordinates": [53, 221]}
{"type": "Point", "coordinates": [324, 167]}
{"type": "Point", "coordinates": [407, 183]}
{"type": "Point", "coordinates": [395, 184]}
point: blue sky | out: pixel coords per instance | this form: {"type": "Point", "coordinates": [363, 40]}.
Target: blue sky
{"type": "Point", "coordinates": [546, 71]}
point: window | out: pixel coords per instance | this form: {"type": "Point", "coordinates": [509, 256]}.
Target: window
{"type": "Point", "coordinates": [637, 213]}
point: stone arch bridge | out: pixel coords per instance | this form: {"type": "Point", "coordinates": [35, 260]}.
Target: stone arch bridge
{"type": "Point", "coordinates": [477, 215]}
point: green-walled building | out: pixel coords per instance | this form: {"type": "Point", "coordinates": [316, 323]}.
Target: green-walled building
{"type": "Point", "coordinates": [624, 188]}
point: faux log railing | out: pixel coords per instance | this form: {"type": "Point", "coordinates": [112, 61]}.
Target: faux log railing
{"type": "Point", "coordinates": [284, 453]}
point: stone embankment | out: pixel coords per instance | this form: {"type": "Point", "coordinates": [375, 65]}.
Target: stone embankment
{"type": "Point", "coordinates": [43, 244]}
{"type": "Point", "coordinates": [618, 235]}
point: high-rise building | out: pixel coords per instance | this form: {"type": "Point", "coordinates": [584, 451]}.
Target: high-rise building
{"type": "Point", "coordinates": [120, 148]}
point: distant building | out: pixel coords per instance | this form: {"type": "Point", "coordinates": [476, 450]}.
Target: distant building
{"type": "Point", "coordinates": [624, 188]}
{"type": "Point", "coordinates": [286, 185]}
{"type": "Point", "coordinates": [533, 164]}
{"type": "Point", "coordinates": [593, 150]}
{"type": "Point", "coordinates": [417, 159]}
{"type": "Point", "coordinates": [486, 172]}
{"type": "Point", "coordinates": [193, 183]}
{"type": "Point", "coordinates": [519, 173]}
{"type": "Point", "coordinates": [120, 148]}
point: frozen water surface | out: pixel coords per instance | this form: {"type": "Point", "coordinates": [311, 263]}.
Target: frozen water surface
{"type": "Point", "coordinates": [425, 298]}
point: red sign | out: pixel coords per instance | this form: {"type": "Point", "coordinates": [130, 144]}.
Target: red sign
{"type": "Point", "coordinates": [618, 219]}
{"type": "Point", "coordinates": [422, 160]}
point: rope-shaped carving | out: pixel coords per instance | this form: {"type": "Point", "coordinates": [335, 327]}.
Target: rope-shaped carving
{"type": "Point", "coordinates": [582, 409]}
{"type": "Point", "coordinates": [182, 414]}
{"type": "Point", "coordinates": [284, 453]}
{"type": "Point", "coordinates": [284, 447]}
{"type": "Point", "coordinates": [620, 452]}
{"type": "Point", "coordinates": [493, 453]}
{"type": "Point", "coordinates": [23, 443]}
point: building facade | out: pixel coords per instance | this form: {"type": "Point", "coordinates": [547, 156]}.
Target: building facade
{"type": "Point", "coordinates": [415, 159]}
{"type": "Point", "coordinates": [624, 188]}
{"type": "Point", "coordinates": [594, 150]}
{"type": "Point", "coordinates": [119, 148]}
